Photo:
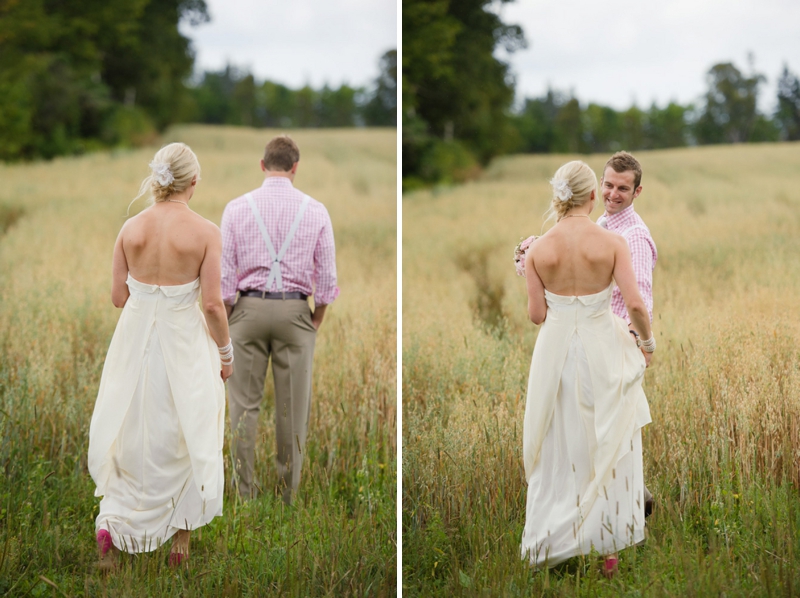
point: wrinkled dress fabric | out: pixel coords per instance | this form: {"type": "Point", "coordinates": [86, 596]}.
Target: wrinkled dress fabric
{"type": "Point", "coordinates": [582, 440]}
{"type": "Point", "coordinates": [155, 441]}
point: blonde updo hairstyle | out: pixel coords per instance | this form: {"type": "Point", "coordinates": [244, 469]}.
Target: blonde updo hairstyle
{"type": "Point", "coordinates": [580, 179]}
{"type": "Point", "coordinates": [171, 171]}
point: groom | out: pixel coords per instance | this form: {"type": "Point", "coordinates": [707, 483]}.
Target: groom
{"type": "Point", "coordinates": [620, 185]}
{"type": "Point", "coordinates": [277, 250]}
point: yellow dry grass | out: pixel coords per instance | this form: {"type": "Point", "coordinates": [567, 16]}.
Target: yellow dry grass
{"type": "Point", "coordinates": [56, 320]}
{"type": "Point", "coordinates": [57, 258]}
{"type": "Point", "coordinates": [724, 386]}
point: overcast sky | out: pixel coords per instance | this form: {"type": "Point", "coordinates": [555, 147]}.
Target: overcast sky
{"type": "Point", "coordinates": [615, 53]}
{"type": "Point", "coordinates": [295, 42]}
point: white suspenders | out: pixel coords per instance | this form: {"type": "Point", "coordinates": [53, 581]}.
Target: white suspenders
{"type": "Point", "coordinates": [635, 226]}
{"type": "Point", "coordinates": [275, 269]}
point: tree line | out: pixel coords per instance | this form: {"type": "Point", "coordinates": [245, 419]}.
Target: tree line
{"type": "Point", "coordinates": [235, 97]}
{"type": "Point", "coordinates": [459, 111]}
{"type": "Point", "coordinates": [79, 76]}
{"type": "Point", "coordinates": [727, 113]}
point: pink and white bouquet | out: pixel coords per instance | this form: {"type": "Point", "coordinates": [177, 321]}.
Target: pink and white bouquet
{"type": "Point", "coordinates": [519, 254]}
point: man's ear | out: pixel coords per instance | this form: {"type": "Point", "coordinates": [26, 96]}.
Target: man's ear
{"type": "Point", "coordinates": [263, 166]}
{"type": "Point", "coordinates": [637, 192]}
{"type": "Point", "coordinates": [294, 168]}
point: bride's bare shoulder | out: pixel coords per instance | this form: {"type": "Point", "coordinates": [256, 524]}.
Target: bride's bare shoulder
{"type": "Point", "coordinates": [208, 225]}
{"type": "Point", "coordinates": [616, 240]}
{"type": "Point", "coordinates": [547, 235]}
{"type": "Point", "coordinates": [139, 218]}
{"type": "Point", "coordinates": [610, 235]}
{"type": "Point", "coordinates": [134, 223]}
{"type": "Point", "coordinates": [539, 242]}
{"type": "Point", "coordinates": [210, 231]}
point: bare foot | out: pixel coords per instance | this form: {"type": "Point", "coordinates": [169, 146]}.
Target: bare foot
{"type": "Point", "coordinates": [180, 549]}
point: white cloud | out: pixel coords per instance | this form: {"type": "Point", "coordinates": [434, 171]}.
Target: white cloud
{"type": "Point", "coordinates": [297, 42]}
{"type": "Point", "coordinates": [613, 53]}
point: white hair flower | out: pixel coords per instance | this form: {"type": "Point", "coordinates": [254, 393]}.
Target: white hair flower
{"type": "Point", "coordinates": [561, 189]}
{"type": "Point", "coordinates": [161, 173]}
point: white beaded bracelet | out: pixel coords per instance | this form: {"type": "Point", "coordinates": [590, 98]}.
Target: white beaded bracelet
{"type": "Point", "coordinates": [649, 345]}
{"type": "Point", "coordinates": [226, 353]}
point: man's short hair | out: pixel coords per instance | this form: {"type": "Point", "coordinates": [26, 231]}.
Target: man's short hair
{"type": "Point", "coordinates": [281, 153]}
{"type": "Point", "coordinates": [624, 162]}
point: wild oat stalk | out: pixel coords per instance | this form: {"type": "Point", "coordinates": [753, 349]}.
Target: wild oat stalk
{"type": "Point", "coordinates": [722, 453]}
{"type": "Point", "coordinates": [56, 321]}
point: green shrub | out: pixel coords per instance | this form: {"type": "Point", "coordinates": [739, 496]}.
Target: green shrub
{"type": "Point", "coordinates": [448, 162]}
{"type": "Point", "coordinates": [129, 126]}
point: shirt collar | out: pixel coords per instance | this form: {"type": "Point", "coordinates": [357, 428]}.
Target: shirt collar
{"type": "Point", "coordinates": [616, 219]}
{"type": "Point", "coordinates": [277, 182]}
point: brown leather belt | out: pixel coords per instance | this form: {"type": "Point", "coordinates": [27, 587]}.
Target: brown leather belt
{"type": "Point", "coordinates": [265, 295]}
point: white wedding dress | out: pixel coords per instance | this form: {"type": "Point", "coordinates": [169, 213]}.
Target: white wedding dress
{"type": "Point", "coordinates": [155, 441]}
{"type": "Point", "coordinates": [582, 438]}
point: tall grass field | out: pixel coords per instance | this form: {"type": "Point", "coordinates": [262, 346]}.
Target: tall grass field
{"type": "Point", "coordinates": [59, 223]}
{"type": "Point", "coordinates": [722, 455]}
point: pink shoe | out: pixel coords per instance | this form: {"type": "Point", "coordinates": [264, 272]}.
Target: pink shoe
{"type": "Point", "coordinates": [176, 558]}
{"type": "Point", "coordinates": [104, 542]}
{"type": "Point", "coordinates": [610, 566]}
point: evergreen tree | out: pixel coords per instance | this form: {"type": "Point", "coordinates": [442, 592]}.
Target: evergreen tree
{"type": "Point", "coordinates": [603, 128]}
{"type": "Point", "coordinates": [569, 129]}
{"type": "Point", "coordinates": [74, 74]}
{"type": "Point", "coordinates": [730, 106]}
{"type": "Point", "coordinates": [633, 129]}
{"type": "Point", "coordinates": [456, 93]}
{"type": "Point", "coordinates": [666, 127]}
{"type": "Point", "coordinates": [336, 107]}
{"type": "Point", "coordinates": [536, 122]}
{"type": "Point", "coordinates": [787, 115]}
{"type": "Point", "coordinates": [381, 109]}
{"type": "Point", "coordinates": [277, 102]}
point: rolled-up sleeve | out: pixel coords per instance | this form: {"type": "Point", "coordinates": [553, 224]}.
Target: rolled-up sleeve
{"type": "Point", "coordinates": [325, 289]}
{"type": "Point", "coordinates": [643, 256]}
{"type": "Point", "coordinates": [229, 269]}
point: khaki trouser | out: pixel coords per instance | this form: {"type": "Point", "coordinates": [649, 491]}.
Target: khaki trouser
{"type": "Point", "coordinates": [282, 330]}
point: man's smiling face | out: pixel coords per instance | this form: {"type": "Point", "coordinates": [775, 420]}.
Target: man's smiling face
{"type": "Point", "coordinates": [618, 190]}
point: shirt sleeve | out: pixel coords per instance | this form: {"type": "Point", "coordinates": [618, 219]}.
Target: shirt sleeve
{"type": "Point", "coordinates": [230, 279]}
{"type": "Point", "coordinates": [644, 260]}
{"type": "Point", "coordinates": [325, 289]}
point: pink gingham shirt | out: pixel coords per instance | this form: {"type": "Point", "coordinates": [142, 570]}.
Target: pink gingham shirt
{"type": "Point", "coordinates": [643, 254]}
{"type": "Point", "coordinates": [309, 265]}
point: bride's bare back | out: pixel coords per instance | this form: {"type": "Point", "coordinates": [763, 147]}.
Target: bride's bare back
{"type": "Point", "coordinates": [576, 257]}
{"type": "Point", "coordinates": [166, 244]}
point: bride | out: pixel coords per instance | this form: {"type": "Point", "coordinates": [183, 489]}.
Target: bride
{"type": "Point", "coordinates": [155, 441]}
{"type": "Point", "coordinates": [585, 409]}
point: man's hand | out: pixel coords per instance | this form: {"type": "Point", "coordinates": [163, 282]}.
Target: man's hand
{"type": "Point", "coordinates": [318, 315]}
